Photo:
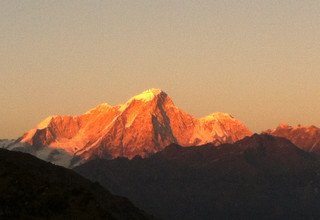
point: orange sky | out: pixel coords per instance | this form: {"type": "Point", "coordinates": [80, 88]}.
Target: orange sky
{"type": "Point", "coordinates": [257, 60]}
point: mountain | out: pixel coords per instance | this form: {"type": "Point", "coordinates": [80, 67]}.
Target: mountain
{"type": "Point", "coordinates": [305, 137]}
{"type": "Point", "coordinates": [142, 126]}
{"type": "Point", "coordinates": [33, 189]}
{"type": "Point", "coordinates": [259, 177]}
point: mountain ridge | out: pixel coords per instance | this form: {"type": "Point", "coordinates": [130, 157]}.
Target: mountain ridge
{"type": "Point", "coordinates": [258, 177]}
{"type": "Point", "coordinates": [145, 124]}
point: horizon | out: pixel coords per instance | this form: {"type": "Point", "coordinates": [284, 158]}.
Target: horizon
{"type": "Point", "coordinates": [258, 61]}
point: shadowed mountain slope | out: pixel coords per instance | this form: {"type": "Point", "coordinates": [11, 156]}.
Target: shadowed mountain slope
{"type": "Point", "coordinates": [259, 177]}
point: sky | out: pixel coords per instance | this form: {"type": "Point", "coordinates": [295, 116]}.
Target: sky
{"type": "Point", "coordinates": [257, 60]}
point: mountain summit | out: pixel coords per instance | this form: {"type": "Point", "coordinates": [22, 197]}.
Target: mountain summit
{"type": "Point", "coordinates": [145, 124]}
{"type": "Point", "coordinates": [149, 94]}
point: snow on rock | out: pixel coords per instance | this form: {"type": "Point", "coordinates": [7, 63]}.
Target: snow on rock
{"type": "Point", "coordinates": [56, 156]}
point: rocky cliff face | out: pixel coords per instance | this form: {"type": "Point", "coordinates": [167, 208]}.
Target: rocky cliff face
{"type": "Point", "coordinates": [143, 125]}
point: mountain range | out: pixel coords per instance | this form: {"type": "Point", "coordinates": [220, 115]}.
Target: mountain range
{"type": "Point", "coordinates": [144, 125]}
{"type": "Point", "coordinates": [167, 162]}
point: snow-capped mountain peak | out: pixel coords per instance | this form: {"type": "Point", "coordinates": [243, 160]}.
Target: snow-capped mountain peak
{"type": "Point", "coordinates": [145, 124]}
{"type": "Point", "coordinates": [149, 95]}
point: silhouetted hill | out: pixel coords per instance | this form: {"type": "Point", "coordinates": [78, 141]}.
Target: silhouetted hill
{"type": "Point", "coordinates": [34, 189]}
{"type": "Point", "coordinates": [259, 177]}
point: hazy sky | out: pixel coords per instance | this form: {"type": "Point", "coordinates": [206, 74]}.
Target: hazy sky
{"type": "Point", "coordinates": [258, 60]}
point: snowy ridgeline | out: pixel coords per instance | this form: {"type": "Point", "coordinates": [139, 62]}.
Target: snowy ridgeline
{"type": "Point", "coordinates": [53, 155]}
